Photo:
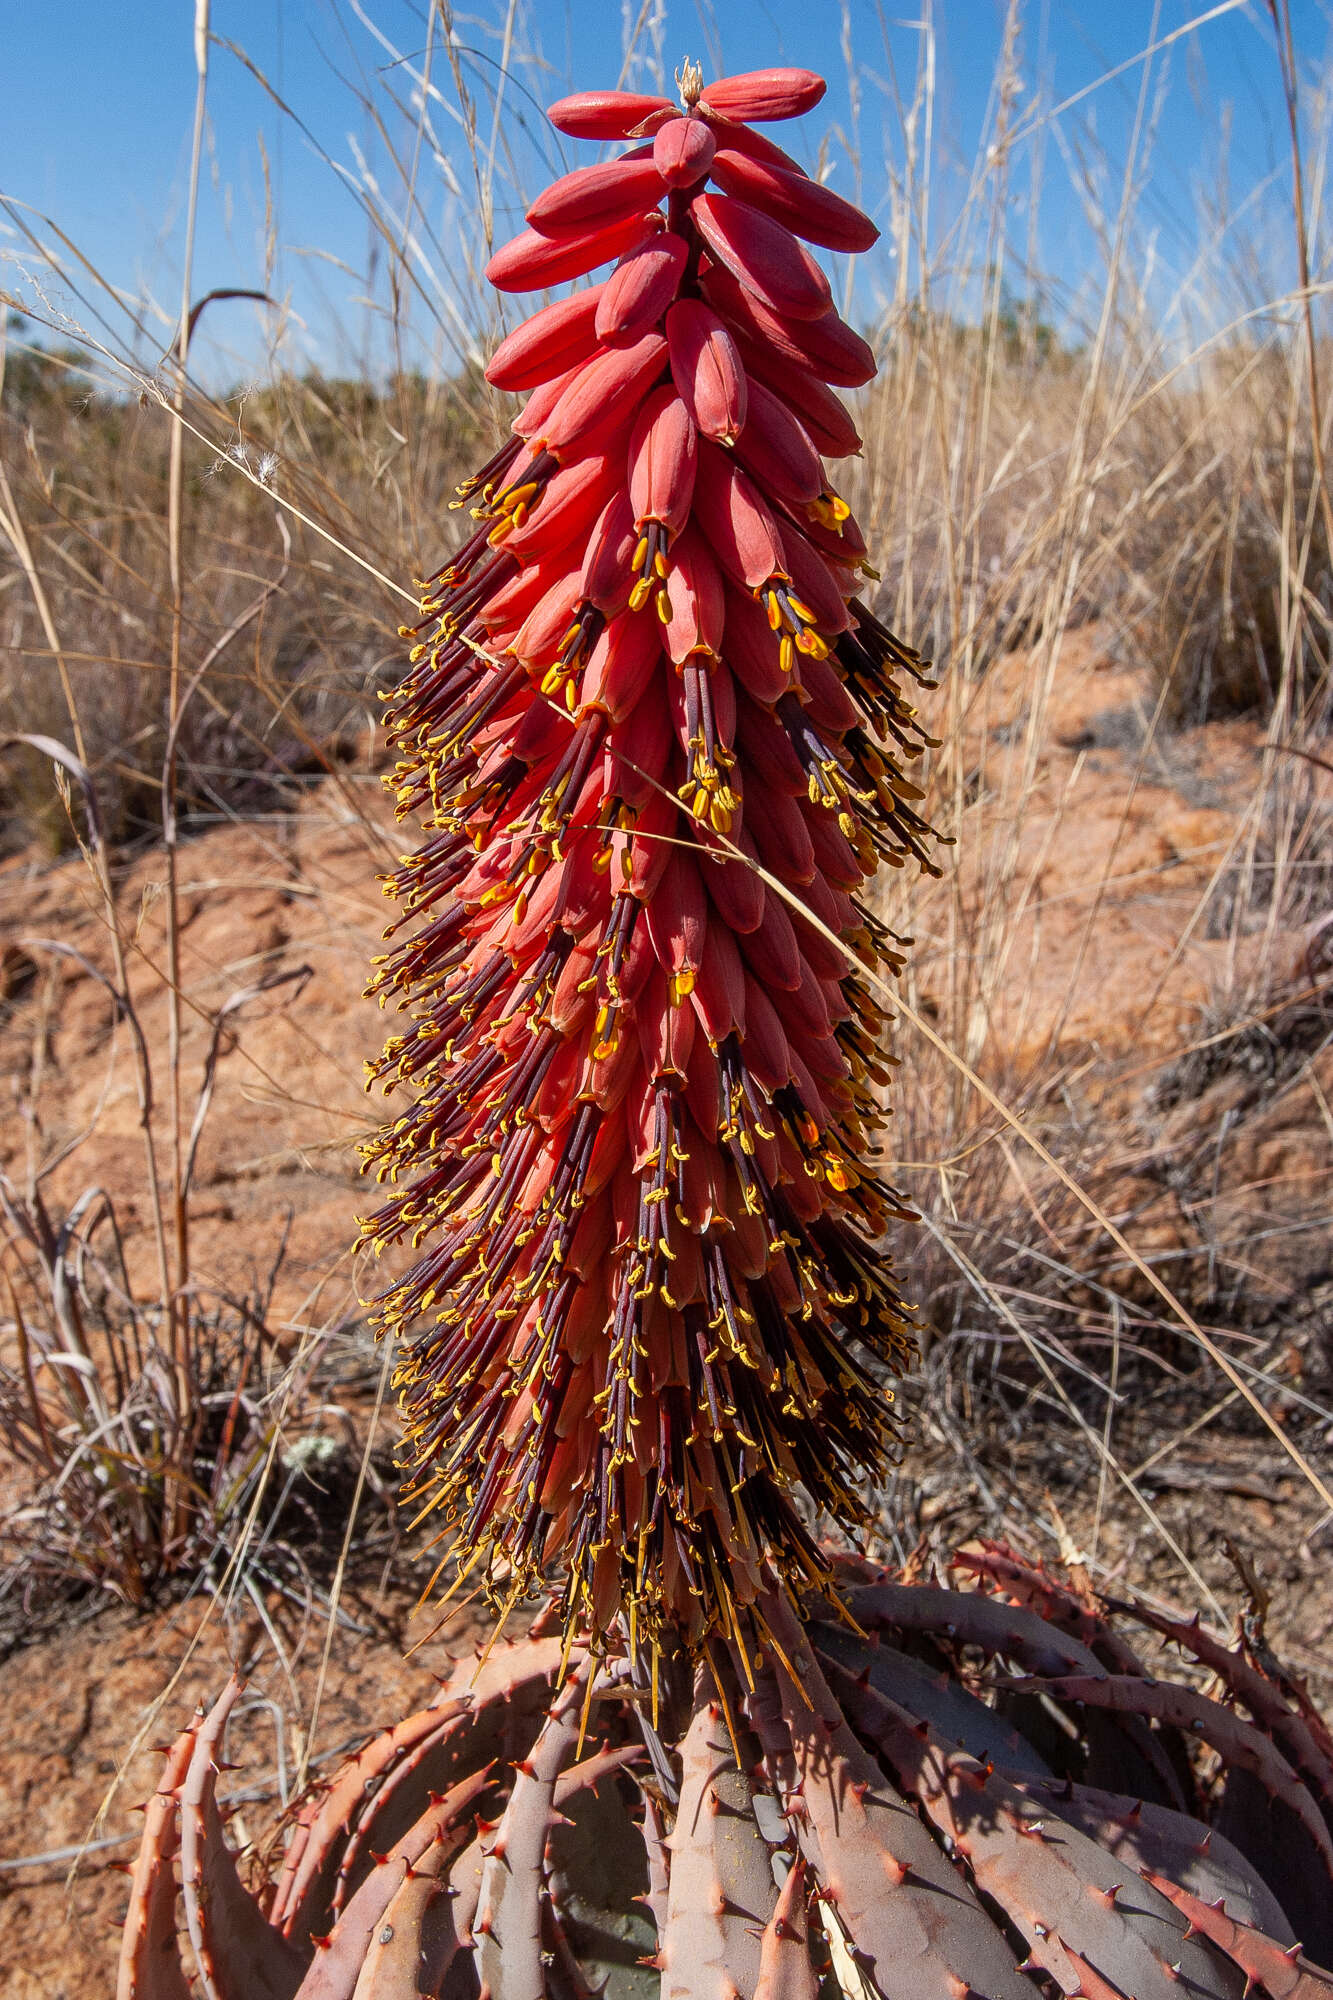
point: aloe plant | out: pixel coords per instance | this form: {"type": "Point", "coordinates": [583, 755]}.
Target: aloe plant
{"type": "Point", "coordinates": [657, 740]}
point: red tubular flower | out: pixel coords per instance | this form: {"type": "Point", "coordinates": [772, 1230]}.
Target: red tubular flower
{"type": "Point", "coordinates": [657, 743]}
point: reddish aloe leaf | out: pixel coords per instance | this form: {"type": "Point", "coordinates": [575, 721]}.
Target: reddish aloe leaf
{"type": "Point", "coordinates": [970, 1619]}
{"type": "Point", "coordinates": [317, 1850]}
{"type": "Point", "coordinates": [936, 1696]}
{"type": "Point", "coordinates": [1239, 1742]}
{"type": "Point", "coordinates": [508, 1923]}
{"type": "Point", "coordinates": [917, 1929]}
{"type": "Point", "coordinates": [721, 1893]}
{"type": "Point", "coordinates": [1155, 1840]}
{"type": "Point", "coordinates": [339, 1957]}
{"type": "Point", "coordinates": [1283, 1973]}
{"type": "Point", "coordinates": [1064, 1892]}
{"type": "Point", "coordinates": [1297, 1734]}
{"type": "Point", "coordinates": [1028, 1584]}
{"type": "Point", "coordinates": [414, 1944]}
{"type": "Point", "coordinates": [149, 1967]}
{"type": "Point", "coordinates": [659, 1862]}
{"type": "Point", "coordinates": [238, 1953]}
{"type": "Point", "coordinates": [786, 1970]}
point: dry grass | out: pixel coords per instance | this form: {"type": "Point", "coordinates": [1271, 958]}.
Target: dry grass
{"type": "Point", "coordinates": [1150, 468]}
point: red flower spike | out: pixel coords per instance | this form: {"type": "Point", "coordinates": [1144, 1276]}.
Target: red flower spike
{"type": "Point", "coordinates": [638, 724]}
{"type": "Point", "coordinates": [596, 197]}
{"type": "Point", "coordinates": [621, 666]}
{"type": "Point", "coordinates": [683, 151]}
{"type": "Point", "coordinates": [706, 369]}
{"type": "Point", "coordinates": [753, 651]}
{"type": "Point", "coordinates": [640, 289]}
{"type": "Point", "coordinates": [531, 419]}
{"type": "Point", "coordinates": [764, 94]}
{"type": "Point", "coordinates": [762, 255]}
{"type": "Point", "coordinates": [800, 204]}
{"type": "Point", "coordinates": [815, 585]}
{"type": "Point", "coordinates": [695, 608]}
{"type": "Point", "coordinates": [570, 503]}
{"type": "Point", "coordinates": [735, 889]}
{"type": "Point", "coordinates": [605, 579]}
{"type": "Point", "coordinates": [739, 527]}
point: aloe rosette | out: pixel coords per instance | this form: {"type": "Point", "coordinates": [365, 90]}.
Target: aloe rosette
{"type": "Point", "coordinates": [658, 742]}
{"type": "Point", "coordinates": [980, 1792]}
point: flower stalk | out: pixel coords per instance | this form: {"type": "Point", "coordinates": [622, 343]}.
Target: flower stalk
{"type": "Point", "coordinates": [658, 745]}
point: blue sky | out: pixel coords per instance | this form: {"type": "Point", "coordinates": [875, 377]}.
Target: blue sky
{"type": "Point", "coordinates": [96, 106]}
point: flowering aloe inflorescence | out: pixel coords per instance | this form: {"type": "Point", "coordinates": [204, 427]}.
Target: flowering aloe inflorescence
{"type": "Point", "coordinates": [657, 743]}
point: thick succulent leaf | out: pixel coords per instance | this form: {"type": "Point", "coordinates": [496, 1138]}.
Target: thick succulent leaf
{"type": "Point", "coordinates": [413, 1946]}
{"type": "Point", "coordinates": [971, 1618]}
{"type": "Point", "coordinates": [502, 1670]}
{"type": "Point", "coordinates": [1010, 1631]}
{"type": "Point", "coordinates": [150, 1964]}
{"type": "Point", "coordinates": [918, 1929]}
{"type": "Point", "coordinates": [465, 1882]}
{"type": "Point", "coordinates": [1051, 1601]}
{"type": "Point", "coordinates": [659, 1862]}
{"type": "Point", "coordinates": [588, 1773]}
{"type": "Point", "coordinates": [466, 1873]}
{"type": "Point", "coordinates": [377, 1825]}
{"type": "Point", "coordinates": [936, 1697]}
{"type": "Point", "coordinates": [238, 1953]}
{"type": "Point", "coordinates": [508, 1925]}
{"type": "Point", "coordinates": [1285, 1974]}
{"type": "Point", "coordinates": [1153, 1838]}
{"type": "Point", "coordinates": [1289, 1729]}
{"type": "Point", "coordinates": [316, 1847]}
{"type": "Point", "coordinates": [338, 1958]}
{"type": "Point", "coordinates": [564, 1975]}
{"type": "Point", "coordinates": [1272, 1838]}
{"type": "Point", "coordinates": [1236, 1741]}
{"type": "Point", "coordinates": [483, 1711]}
{"type": "Point", "coordinates": [1057, 1886]}
{"type": "Point", "coordinates": [597, 1879]}
{"type": "Point", "coordinates": [721, 1893]}
{"type": "Point", "coordinates": [786, 1969]}
{"type": "Point", "coordinates": [1120, 1747]}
